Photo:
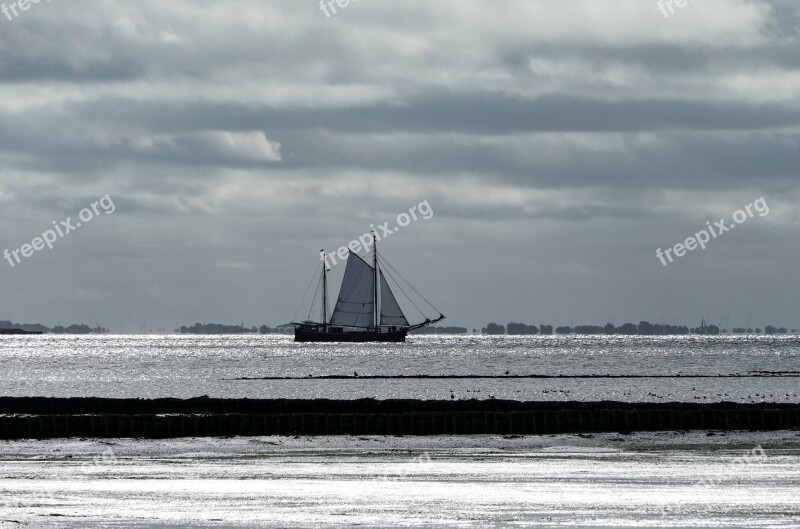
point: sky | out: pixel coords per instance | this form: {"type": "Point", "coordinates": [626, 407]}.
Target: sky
{"type": "Point", "coordinates": [558, 145]}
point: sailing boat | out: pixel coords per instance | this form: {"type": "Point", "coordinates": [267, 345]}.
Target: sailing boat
{"type": "Point", "coordinates": [366, 310]}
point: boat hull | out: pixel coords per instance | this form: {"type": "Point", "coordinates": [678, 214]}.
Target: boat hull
{"type": "Point", "coordinates": [305, 335]}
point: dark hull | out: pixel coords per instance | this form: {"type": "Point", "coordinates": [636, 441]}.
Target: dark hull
{"type": "Point", "coordinates": [304, 335]}
{"type": "Point", "coordinates": [17, 331]}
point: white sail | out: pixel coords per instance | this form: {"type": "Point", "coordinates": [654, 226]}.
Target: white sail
{"type": "Point", "coordinates": [391, 313]}
{"type": "Point", "coordinates": [355, 306]}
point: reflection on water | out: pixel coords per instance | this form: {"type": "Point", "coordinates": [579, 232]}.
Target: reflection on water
{"type": "Point", "coordinates": [189, 366]}
{"type": "Point", "coordinates": [472, 482]}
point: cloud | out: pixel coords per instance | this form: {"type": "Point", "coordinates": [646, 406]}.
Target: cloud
{"type": "Point", "coordinates": [582, 132]}
{"type": "Point", "coordinates": [205, 147]}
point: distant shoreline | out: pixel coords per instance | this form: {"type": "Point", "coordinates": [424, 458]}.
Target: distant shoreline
{"type": "Point", "coordinates": [643, 328]}
{"type": "Point", "coordinates": [17, 331]}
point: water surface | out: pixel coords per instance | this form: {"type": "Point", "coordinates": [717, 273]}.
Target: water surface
{"type": "Point", "coordinates": [189, 366]}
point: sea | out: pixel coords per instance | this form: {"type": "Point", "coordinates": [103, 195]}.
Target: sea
{"type": "Point", "coordinates": [699, 479]}
{"type": "Point", "coordinates": [580, 368]}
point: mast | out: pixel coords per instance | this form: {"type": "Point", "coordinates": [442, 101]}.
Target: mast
{"type": "Point", "coordinates": [377, 311]}
{"type": "Point", "coordinates": [324, 292]}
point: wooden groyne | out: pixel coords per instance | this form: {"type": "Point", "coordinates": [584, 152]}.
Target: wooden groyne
{"type": "Point", "coordinates": [42, 418]}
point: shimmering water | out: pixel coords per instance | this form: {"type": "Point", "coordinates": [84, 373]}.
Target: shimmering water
{"type": "Point", "coordinates": [659, 479]}
{"type": "Point", "coordinates": [190, 366]}
{"type": "Point", "coordinates": [644, 480]}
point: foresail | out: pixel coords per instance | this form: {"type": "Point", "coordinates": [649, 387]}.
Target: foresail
{"type": "Point", "coordinates": [391, 313]}
{"type": "Point", "coordinates": [355, 306]}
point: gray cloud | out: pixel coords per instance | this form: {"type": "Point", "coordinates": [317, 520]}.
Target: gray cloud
{"type": "Point", "coordinates": [239, 138]}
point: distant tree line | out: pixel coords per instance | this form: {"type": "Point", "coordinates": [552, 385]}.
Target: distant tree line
{"type": "Point", "coordinates": [218, 328]}
{"type": "Point", "coordinates": [517, 329]}
{"type": "Point", "coordinates": [769, 329]}
{"type": "Point", "coordinates": [441, 330]}
{"type": "Point", "coordinates": [513, 329]}
{"type": "Point", "coordinates": [58, 329]}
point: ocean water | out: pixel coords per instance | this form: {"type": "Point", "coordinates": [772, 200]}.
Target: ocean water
{"type": "Point", "coordinates": [627, 368]}
{"type": "Point", "coordinates": [664, 479]}
{"type": "Point", "coordinates": [647, 479]}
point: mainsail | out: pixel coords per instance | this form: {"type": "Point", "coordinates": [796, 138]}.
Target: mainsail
{"type": "Point", "coordinates": [391, 313]}
{"type": "Point", "coordinates": [355, 306]}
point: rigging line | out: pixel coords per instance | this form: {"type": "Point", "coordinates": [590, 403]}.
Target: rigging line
{"type": "Point", "coordinates": [389, 273]}
{"type": "Point", "coordinates": [409, 284]}
{"type": "Point", "coordinates": [313, 301]}
{"type": "Point", "coordinates": [306, 294]}
{"type": "Point", "coordinates": [397, 284]}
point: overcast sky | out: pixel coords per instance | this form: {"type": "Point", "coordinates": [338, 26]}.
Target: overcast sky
{"type": "Point", "coordinates": [558, 143]}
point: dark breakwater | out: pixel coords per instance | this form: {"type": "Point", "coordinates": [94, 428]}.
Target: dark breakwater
{"type": "Point", "coordinates": [42, 418]}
